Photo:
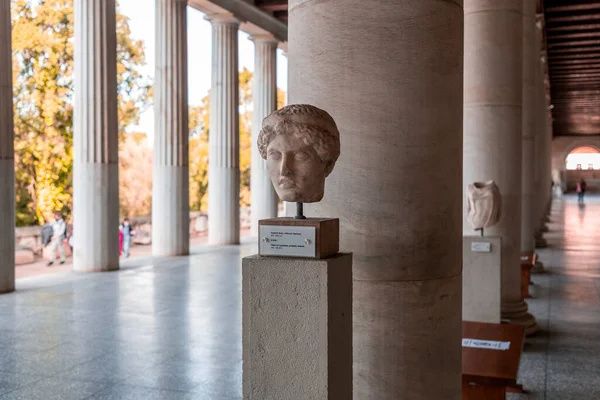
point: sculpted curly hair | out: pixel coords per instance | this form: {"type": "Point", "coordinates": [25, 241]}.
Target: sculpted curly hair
{"type": "Point", "coordinates": [315, 127]}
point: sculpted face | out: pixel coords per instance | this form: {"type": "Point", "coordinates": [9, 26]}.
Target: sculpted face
{"type": "Point", "coordinates": [296, 171]}
{"type": "Point", "coordinates": [300, 144]}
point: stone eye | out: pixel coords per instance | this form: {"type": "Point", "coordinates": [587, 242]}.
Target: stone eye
{"type": "Point", "coordinates": [274, 155]}
{"type": "Point", "coordinates": [301, 156]}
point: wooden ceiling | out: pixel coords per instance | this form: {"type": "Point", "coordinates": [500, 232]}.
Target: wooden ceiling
{"type": "Point", "coordinates": [572, 29]}
{"type": "Point", "coordinates": [277, 8]}
{"type": "Point", "coordinates": [572, 33]}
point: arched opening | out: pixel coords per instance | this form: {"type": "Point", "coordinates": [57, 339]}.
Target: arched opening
{"type": "Point", "coordinates": [583, 162]}
{"type": "Point", "coordinates": [584, 157]}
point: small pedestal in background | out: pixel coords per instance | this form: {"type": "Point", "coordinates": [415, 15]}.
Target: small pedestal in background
{"type": "Point", "coordinates": [482, 279]}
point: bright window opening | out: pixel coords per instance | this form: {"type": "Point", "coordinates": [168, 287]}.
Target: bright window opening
{"type": "Point", "coordinates": [583, 158]}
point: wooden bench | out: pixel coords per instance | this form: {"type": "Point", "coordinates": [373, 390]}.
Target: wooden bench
{"type": "Point", "coordinates": [488, 372]}
{"type": "Point", "coordinates": [528, 260]}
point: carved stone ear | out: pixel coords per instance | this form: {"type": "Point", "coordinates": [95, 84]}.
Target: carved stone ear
{"type": "Point", "coordinates": [329, 168]}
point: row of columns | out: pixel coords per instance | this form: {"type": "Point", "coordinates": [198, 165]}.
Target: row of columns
{"type": "Point", "coordinates": [418, 126]}
{"type": "Point", "coordinates": [95, 169]}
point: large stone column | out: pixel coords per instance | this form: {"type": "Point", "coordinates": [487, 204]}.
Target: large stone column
{"type": "Point", "coordinates": [542, 181]}
{"type": "Point", "coordinates": [170, 182]}
{"type": "Point", "coordinates": [7, 160]}
{"type": "Point", "coordinates": [391, 77]}
{"type": "Point", "coordinates": [492, 129]}
{"type": "Point", "coordinates": [264, 99]}
{"type": "Point", "coordinates": [95, 138]}
{"type": "Point", "coordinates": [530, 75]}
{"type": "Point", "coordinates": [544, 143]}
{"type": "Point", "coordinates": [224, 134]}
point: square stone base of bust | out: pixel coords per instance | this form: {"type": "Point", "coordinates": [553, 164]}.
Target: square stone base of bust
{"type": "Point", "coordinates": [482, 278]}
{"type": "Point", "coordinates": [297, 328]}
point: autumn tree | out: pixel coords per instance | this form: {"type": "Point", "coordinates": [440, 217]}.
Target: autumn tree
{"type": "Point", "coordinates": [43, 90]}
{"type": "Point", "coordinates": [135, 181]}
{"type": "Point", "coordinates": [198, 147]}
{"type": "Point", "coordinates": [199, 119]}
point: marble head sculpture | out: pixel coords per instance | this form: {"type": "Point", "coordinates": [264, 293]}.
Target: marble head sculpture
{"type": "Point", "coordinates": [483, 204]}
{"type": "Point", "coordinates": [301, 144]}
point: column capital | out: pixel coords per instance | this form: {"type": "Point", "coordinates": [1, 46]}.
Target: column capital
{"type": "Point", "coordinates": [222, 18]}
{"type": "Point", "coordinates": [263, 38]}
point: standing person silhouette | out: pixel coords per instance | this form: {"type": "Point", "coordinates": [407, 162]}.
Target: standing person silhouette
{"type": "Point", "coordinates": [581, 186]}
{"type": "Point", "coordinates": [59, 234]}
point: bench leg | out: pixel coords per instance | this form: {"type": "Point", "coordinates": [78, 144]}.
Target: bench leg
{"type": "Point", "coordinates": [516, 389]}
{"type": "Point", "coordinates": [482, 392]}
{"type": "Point", "coordinates": [525, 278]}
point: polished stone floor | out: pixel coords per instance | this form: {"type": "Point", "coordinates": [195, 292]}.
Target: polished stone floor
{"type": "Point", "coordinates": [562, 361]}
{"type": "Point", "coordinates": [157, 329]}
{"type": "Point", "coordinates": [170, 328]}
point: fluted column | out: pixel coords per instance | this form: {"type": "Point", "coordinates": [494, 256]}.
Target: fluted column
{"type": "Point", "coordinates": [170, 182]}
{"type": "Point", "coordinates": [492, 130]}
{"type": "Point", "coordinates": [224, 134]}
{"type": "Point", "coordinates": [95, 138]}
{"type": "Point", "coordinates": [543, 150]}
{"type": "Point", "coordinates": [7, 160]}
{"type": "Point", "coordinates": [382, 76]}
{"type": "Point", "coordinates": [541, 128]}
{"type": "Point", "coordinates": [530, 75]}
{"type": "Point", "coordinates": [264, 99]}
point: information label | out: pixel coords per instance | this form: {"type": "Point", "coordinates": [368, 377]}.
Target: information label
{"type": "Point", "coordinates": [481, 247]}
{"type": "Point", "coordinates": [287, 241]}
{"type": "Point", "coordinates": [485, 344]}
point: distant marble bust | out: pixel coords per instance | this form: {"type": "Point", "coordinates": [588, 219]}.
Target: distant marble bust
{"type": "Point", "coordinates": [483, 204]}
{"type": "Point", "coordinates": [301, 144]}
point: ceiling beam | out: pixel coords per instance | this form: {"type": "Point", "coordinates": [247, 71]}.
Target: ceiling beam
{"type": "Point", "coordinates": [573, 18]}
{"type": "Point", "coordinates": [574, 35]}
{"type": "Point", "coordinates": [584, 49]}
{"type": "Point", "coordinates": [574, 68]}
{"type": "Point", "coordinates": [567, 74]}
{"type": "Point", "coordinates": [574, 7]}
{"type": "Point", "coordinates": [579, 27]}
{"type": "Point", "coordinates": [574, 43]}
{"type": "Point", "coordinates": [575, 57]}
{"type": "Point", "coordinates": [575, 63]}
{"type": "Point", "coordinates": [272, 5]}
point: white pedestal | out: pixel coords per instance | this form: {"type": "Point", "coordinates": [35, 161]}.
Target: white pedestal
{"type": "Point", "coordinates": [297, 328]}
{"type": "Point", "coordinates": [482, 279]}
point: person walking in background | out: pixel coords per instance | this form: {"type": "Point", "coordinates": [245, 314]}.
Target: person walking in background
{"type": "Point", "coordinates": [581, 186]}
{"type": "Point", "coordinates": [128, 232]}
{"type": "Point", "coordinates": [70, 240]}
{"type": "Point", "coordinates": [59, 234]}
{"type": "Point", "coordinates": [120, 240]}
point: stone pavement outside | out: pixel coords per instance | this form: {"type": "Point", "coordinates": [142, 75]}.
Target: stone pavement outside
{"type": "Point", "coordinates": [39, 267]}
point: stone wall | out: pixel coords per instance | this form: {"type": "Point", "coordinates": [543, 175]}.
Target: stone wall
{"type": "Point", "coordinates": [29, 237]}
{"type": "Point", "coordinates": [592, 178]}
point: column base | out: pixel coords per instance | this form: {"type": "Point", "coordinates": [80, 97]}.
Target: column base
{"type": "Point", "coordinates": [170, 211]}
{"type": "Point", "coordinates": [538, 268]}
{"type": "Point", "coordinates": [540, 242]}
{"type": "Point", "coordinates": [7, 224]}
{"type": "Point", "coordinates": [7, 289]}
{"type": "Point", "coordinates": [516, 313]}
{"type": "Point", "coordinates": [95, 217]}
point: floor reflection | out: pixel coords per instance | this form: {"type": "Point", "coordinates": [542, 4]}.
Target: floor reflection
{"type": "Point", "coordinates": [563, 360]}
